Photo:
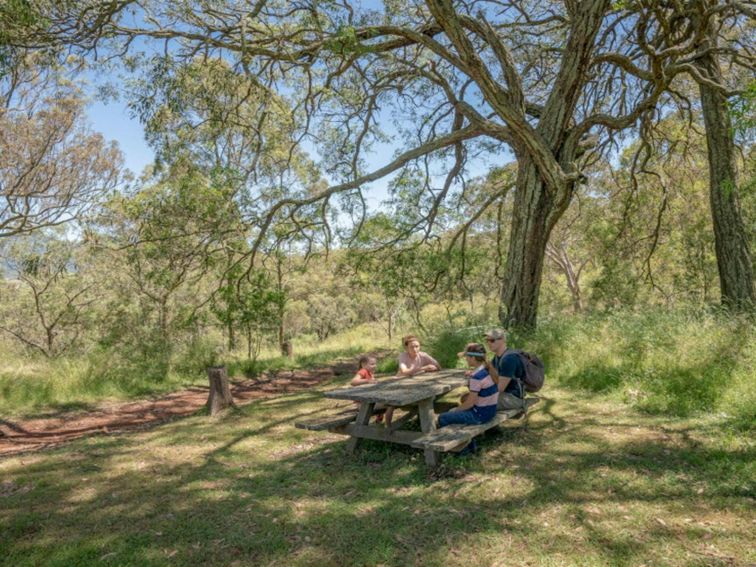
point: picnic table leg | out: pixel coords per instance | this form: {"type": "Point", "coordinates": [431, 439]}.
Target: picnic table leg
{"type": "Point", "coordinates": [363, 418]}
{"type": "Point", "coordinates": [428, 424]}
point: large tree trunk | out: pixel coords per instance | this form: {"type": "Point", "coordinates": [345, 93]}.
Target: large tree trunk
{"type": "Point", "coordinates": [538, 205]}
{"type": "Point", "coordinates": [527, 248]}
{"type": "Point", "coordinates": [731, 242]}
{"type": "Point", "coordinates": [536, 211]}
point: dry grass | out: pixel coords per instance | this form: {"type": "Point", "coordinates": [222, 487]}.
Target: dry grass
{"type": "Point", "coordinates": [588, 482]}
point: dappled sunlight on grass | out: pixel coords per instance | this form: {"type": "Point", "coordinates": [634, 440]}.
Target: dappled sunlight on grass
{"type": "Point", "coordinates": [585, 482]}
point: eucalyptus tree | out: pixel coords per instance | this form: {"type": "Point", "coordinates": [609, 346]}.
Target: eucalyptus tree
{"type": "Point", "coordinates": [568, 251]}
{"type": "Point", "coordinates": [738, 24]}
{"type": "Point", "coordinates": [53, 168]}
{"type": "Point", "coordinates": [172, 235]}
{"type": "Point", "coordinates": [204, 112]}
{"type": "Point", "coordinates": [52, 286]}
{"type": "Point", "coordinates": [552, 82]}
{"type": "Point", "coordinates": [650, 234]}
{"type": "Point", "coordinates": [253, 304]}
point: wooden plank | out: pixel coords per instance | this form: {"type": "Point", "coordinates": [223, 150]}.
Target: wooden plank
{"type": "Point", "coordinates": [378, 433]}
{"type": "Point", "coordinates": [444, 439]}
{"type": "Point", "coordinates": [428, 426]}
{"type": "Point", "coordinates": [327, 421]}
{"type": "Point", "coordinates": [403, 391]}
{"type": "Point", "coordinates": [452, 436]}
{"type": "Point", "coordinates": [363, 418]}
{"type": "Point", "coordinates": [397, 423]}
{"type": "Point", "coordinates": [333, 420]}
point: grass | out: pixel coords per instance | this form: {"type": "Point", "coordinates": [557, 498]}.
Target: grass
{"type": "Point", "coordinates": [676, 363]}
{"type": "Point", "coordinates": [641, 454]}
{"type": "Point", "coordinates": [588, 482]}
{"type": "Point", "coordinates": [29, 385]}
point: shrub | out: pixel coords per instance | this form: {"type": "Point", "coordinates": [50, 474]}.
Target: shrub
{"type": "Point", "coordinates": [446, 343]}
{"type": "Point", "coordinates": [678, 363]}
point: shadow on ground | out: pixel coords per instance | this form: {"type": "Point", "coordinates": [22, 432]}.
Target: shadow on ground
{"type": "Point", "coordinates": [578, 482]}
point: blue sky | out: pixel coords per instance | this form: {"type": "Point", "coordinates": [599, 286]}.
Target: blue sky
{"type": "Point", "coordinates": [112, 120]}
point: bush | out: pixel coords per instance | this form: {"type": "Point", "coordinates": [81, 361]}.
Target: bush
{"type": "Point", "coordinates": [388, 365]}
{"type": "Point", "coordinates": [677, 363]}
{"type": "Point", "coordinates": [446, 343]}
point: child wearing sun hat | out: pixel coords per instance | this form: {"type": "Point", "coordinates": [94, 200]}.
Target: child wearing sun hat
{"type": "Point", "coordinates": [479, 406]}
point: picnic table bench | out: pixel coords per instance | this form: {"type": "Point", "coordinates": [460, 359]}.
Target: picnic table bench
{"type": "Point", "coordinates": [417, 395]}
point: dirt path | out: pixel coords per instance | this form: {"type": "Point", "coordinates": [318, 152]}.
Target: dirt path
{"type": "Point", "coordinates": [33, 434]}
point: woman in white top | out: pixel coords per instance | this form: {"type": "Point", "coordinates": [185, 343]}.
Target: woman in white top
{"type": "Point", "coordinates": [413, 361]}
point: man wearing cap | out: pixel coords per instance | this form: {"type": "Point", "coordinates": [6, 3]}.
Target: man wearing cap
{"type": "Point", "coordinates": [507, 371]}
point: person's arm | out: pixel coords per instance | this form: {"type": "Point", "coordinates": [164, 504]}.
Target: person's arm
{"type": "Point", "coordinates": [468, 402]}
{"type": "Point", "coordinates": [493, 371]}
{"type": "Point", "coordinates": [359, 380]}
{"type": "Point", "coordinates": [405, 365]}
{"type": "Point", "coordinates": [405, 370]}
{"type": "Point", "coordinates": [431, 364]}
{"type": "Point", "coordinates": [503, 378]}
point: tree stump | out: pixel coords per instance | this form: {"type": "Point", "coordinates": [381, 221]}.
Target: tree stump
{"type": "Point", "coordinates": [287, 349]}
{"type": "Point", "coordinates": [220, 393]}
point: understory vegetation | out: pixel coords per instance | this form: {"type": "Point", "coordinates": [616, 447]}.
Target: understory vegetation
{"type": "Point", "coordinates": [679, 363]}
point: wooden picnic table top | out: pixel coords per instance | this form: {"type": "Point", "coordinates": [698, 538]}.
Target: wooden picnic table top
{"type": "Point", "coordinates": [404, 391]}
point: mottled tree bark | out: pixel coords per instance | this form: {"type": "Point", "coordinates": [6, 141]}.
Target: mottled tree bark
{"type": "Point", "coordinates": [539, 203]}
{"type": "Point", "coordinates": [527, 248]}
{"type": "Point", "coordinates": [220, 393]}
{"type": "Point", "coordinates": [731, 240]}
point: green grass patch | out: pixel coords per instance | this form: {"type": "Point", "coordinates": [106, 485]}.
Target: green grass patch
{"type": "Point", "coordinates": [30, 384]}
{"type": "Point", "coordinates": [679, 363]}
{"type": "Point", "coordinates": [587, 482]}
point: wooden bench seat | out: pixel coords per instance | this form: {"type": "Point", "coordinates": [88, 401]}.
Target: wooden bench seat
{"type": "Point", "coordinates": [332, 420]}
{"type": "Point", "coordinates": [456, 436]}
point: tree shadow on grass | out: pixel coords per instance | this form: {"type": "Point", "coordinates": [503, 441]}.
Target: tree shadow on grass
{"type": "Point", "coordinates": [264, 493]}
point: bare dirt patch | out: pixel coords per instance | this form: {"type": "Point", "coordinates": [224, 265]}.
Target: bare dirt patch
{"type": "Point", "coordinates": [46, 431]}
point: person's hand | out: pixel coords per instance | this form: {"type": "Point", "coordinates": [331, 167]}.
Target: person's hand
{"type": "Point", "coordinates": [468, 373]}
{"type": "Point", "coordinates": [429, 368]}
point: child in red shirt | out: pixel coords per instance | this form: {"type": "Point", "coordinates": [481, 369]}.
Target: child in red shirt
{"type": "Point", "coordinates": [365, 375]}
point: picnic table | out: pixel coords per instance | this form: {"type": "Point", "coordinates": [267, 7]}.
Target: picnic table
{"type": "Point", "coordinates": [417, 395]}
